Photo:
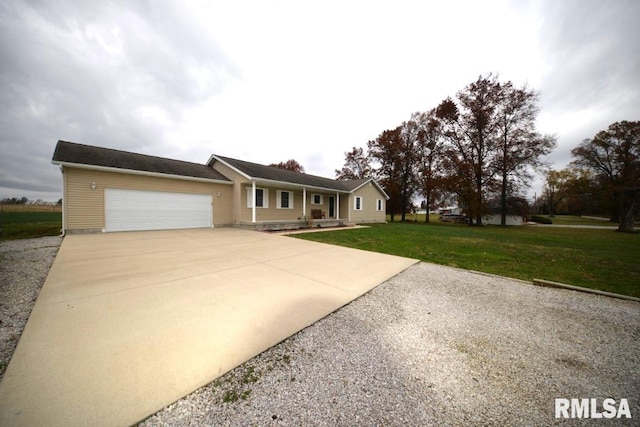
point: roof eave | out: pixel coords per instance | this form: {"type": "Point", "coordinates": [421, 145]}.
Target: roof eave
{"type": "Point", "coordinates": [296, 185]}
{"type": "Point", "coordinates": [139, 172]}
{"type": "Point", "coordinates": [215, 158]}
{"type": "Point", "coordinates": [376, 184]}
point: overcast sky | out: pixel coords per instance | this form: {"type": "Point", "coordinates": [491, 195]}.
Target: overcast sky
{"type": "Point", "coordinates": [270, 81]}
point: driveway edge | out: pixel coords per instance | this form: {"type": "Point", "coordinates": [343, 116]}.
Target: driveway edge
{"type": "Point", "coordinates": [550, 284]}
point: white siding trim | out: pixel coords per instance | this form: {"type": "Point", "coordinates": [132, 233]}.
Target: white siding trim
{"type": "Point", "coordinates": [357, 203]}
{"type": "Point", "coordinates": [279, 199]}
{"type": "Point", "coordinates": [251, 195]}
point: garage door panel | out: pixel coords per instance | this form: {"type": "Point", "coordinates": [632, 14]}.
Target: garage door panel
{"type": "Point", "coordinates": [129, 210]}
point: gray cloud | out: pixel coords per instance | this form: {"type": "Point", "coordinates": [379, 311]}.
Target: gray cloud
{"type": "Point", "coordinates": [125, 75]}
{"type": "Point", "coordinates": [592, 59]}
{"type": "Point", "coordinates": [96, 72]}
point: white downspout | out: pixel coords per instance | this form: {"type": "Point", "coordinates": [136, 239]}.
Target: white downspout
{"type": "Point", "coordinates": [253, 203]}
{"type": "Point", "coordinates": [64, 202]}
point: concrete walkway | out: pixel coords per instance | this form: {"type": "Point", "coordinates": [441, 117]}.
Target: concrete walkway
{"type": "Point", "coordinates": [127, 323]}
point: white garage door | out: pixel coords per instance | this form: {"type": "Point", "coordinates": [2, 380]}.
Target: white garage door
{"type": "Point", "coordinates": [127, 210]}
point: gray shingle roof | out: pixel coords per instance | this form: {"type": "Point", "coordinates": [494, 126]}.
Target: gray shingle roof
{"type": "Point", "coordinates": [255, 170]}
{"type": "Point", "coordinates": [71, 152]}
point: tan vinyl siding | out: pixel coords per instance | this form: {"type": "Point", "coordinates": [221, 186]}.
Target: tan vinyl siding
{"type": "Point", "coordinates": [370, 194]}
{"type": "Point", "coordinates": [324, 206]}
{"type": "Point", "coordinates": [239, 202]}
{"type": "Point", "coordinates": [345, 207]}
{"type": "Point", "coordinates": [85, 206]}
{"type": "Point", "coordinates": [272, 213]}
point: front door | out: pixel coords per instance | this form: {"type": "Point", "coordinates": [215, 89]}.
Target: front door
{"type": "Point", "coordinates": [332, 207]}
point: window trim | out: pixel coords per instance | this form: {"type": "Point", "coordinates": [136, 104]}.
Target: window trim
{"type": "Point", "coordinates": [313, 196]}
{"type": "Point", "coordinates": [279, 199]}
{"type": "Point", "coordinates": [379, 205]}
{"type": "Point", "coordinates": [265, 198]}
{"type": "Point", "coordinates": [355, 203]}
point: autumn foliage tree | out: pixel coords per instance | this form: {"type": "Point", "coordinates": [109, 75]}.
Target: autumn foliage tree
{"type": "Point", "coordinates": [470, 125]}
{"type": "Point", "coordinates": [520, 148]}
{"type": "Point", "coordinates": [388, 171]}
{"type": "Point", "coordinates": [480, 146]}
{"type": "Point", "coordinates": [490, 128]}
{"type": "Point", "coordinates": [290, 165]}
{"type": "Point", "coordinates": [357, 165]}
{"type": "Point", "coordinates": [613, 155]}
{"type": "Point", "coordinates": [430, 151]}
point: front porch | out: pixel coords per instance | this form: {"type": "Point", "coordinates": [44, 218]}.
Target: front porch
{"type": "Point", "coordinates": [297, 224]}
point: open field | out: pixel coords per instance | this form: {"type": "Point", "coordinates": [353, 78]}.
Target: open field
{"type": "Point", "coordinates": [556, 219]}
{"type": "Point", "coordinates": [29, 221]}
{"type": "Point", "coordinates": [598, 259]}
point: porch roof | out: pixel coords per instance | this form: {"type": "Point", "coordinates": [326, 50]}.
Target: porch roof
{"type": "Point", "coordinates": [273, 175]}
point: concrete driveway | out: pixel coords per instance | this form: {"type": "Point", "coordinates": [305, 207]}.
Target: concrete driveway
{"type": "Point", "coordinates": [127, 323]}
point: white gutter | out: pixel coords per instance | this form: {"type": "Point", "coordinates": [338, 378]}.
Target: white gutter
{"type": "Point", "coordinates": [137, 172]}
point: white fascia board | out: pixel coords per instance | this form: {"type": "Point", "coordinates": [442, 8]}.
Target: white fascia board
{"type": "Point", "coordinates": [285, 184]}
{"type": "Point", "coordinates": [137, 172]}
{"type": "Point", "coordinates": [235, 169]}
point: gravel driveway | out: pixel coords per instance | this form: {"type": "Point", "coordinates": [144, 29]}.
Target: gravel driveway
{"type": "Point", "coordinates": [432, 346]}
{"type": "Point", "coordinates": [24, 265]}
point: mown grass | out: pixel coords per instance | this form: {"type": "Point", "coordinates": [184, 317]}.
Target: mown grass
{"type": "Point", "coordinates": [598, 259]}
{"type": "Point", "coordinates": [27, 224]}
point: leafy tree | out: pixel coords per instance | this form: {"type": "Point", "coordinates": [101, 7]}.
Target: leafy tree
{"type": "Point", "coordinates": [357, 165]}
{"type": "Point", "coordinates": [519, 147]}
{"type": "Point", "coordinates": [614, 156]}
{"type": "Point", "coordinates": [411, 132]}
{"type": "Point", "coordinates": [388, 152]}
{"type": "Point", "coordinates": [583, 192]}
{"type": "Point", "coordinates": [556, 188]}
{"type": "Point", "coordinates": [430, 150]}
{"type": "Point", "coordinates": [458, 181]}
{"type": "Point", "coordinates": [470, 126]}
{"type": "Point", "coordinates": [290, 165]}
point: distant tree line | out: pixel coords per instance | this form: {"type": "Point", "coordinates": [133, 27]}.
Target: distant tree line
{"type": "Point", "coordinates": [604, 177]}
{"type": "Point", "coordinates": [26, 201]}
{"type": "Point", "coordinates": [477, 150]}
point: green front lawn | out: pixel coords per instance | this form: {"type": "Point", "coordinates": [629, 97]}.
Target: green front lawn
{"type": "Point", "coordinates": [599, 259]}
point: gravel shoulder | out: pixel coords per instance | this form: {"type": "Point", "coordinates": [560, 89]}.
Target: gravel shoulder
{"type": "Point", "coordinates": [432, 346]}
{"type": "Point", "coordinates": [24, 265]}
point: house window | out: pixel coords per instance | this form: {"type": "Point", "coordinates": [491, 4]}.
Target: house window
{"type": "Point", "coordinates": [262, 198]}
{"type": "Point", "coordinates": [316, 199]}
{"type": "Point", "coordinates": [379, 205]}
{"type": "Point", "coordinates": [285, 199]}
{"type": "Point", "coordinates": [357, 203]}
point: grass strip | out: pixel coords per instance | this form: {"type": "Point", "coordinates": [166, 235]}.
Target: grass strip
{"type": "Point", "coordinates": [597, 259]}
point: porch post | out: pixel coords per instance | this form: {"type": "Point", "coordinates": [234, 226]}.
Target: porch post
{"type": "Point", "coordinates": [253, 203]}
{"type": "Point", "coordinates": [338, 206]}
{"type": "Point", "coordinates": [304, 201]}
